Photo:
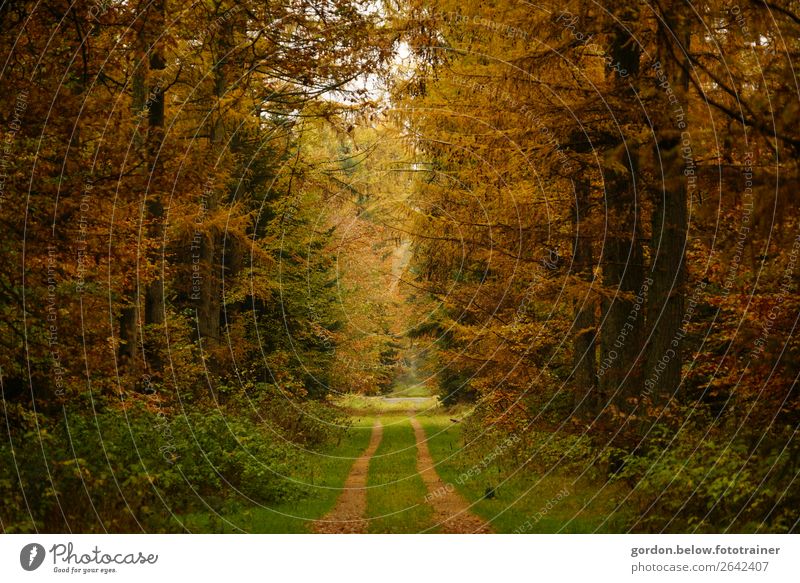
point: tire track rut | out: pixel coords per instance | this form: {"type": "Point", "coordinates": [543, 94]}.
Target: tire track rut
{"type": "Point", "coordinates": [451, 511]}
{"type": "Point", "coordinates": [348, 515]}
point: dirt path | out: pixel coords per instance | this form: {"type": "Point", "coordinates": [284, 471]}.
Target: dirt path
{"type": "Point", "coordinates": [348, 515]}
{"type": "Point", "coordinates": [451, 511]}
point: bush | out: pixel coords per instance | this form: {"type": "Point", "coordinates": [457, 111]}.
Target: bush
{"type": "Point", "coordinates": [138, 468]}
{"type": "Point", "coordinates": [708, 483]}
{"type": "Point", "coordinates": [311, 423]}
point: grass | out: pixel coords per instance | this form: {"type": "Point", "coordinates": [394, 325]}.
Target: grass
{"type": "Point", "coordinates": [396, 494]}
{"type": "Point", "coordinates": [526, 501]}
{"type": "Point", "coordinates": [325, 480]}
{"type": "Point", "coordinates": [415, 390]}
{"type": "Point", "coordinates": [361, 404]}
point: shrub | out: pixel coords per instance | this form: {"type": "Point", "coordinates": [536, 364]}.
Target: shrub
{"type": "Point", "coordinates": [138, 468]}
{"type": "Point", "coordinates": [706, 482]}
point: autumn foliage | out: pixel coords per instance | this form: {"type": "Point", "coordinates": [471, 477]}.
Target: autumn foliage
{"type": "Point", "coordinates": [573, 220]}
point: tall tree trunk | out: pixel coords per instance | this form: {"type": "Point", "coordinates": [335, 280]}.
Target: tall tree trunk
{"type": "Point", "coordinates": [128, 331]}
{"type": "Point", "coordinates": [210, 301]}
{"type": "Point", "coordinates": [670, 211]}
{"type": "Point", "coordinates": [129, 315]}
{"type": "Point", "coordinates": [623, 275]}
{"type": "Point", "coordinates": [147, 102]}
{"type": "Point", "coordinates": [208, 308]}
{"type": "Point", "coordinates": [587, 400]}
{"type": "Point", "coordinates": [154, 312]}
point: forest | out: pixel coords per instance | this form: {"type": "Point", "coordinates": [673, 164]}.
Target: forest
{"type": "Point", "coordinates": [399, 266]}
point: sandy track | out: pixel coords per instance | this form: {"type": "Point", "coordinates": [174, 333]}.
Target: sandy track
{"type": "Point", "coordinates": [348, 515]}
{"type": "Point", "coordinates": [451, 511]}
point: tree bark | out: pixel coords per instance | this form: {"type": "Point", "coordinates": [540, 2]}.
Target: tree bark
{"type": "Point", "coordinates": [587, 400]}
{"type": "Point", "coordinates": [670, 213]}
{"type": "Point", "coordinates": [209, 306]}
{"type": "Point", "coordinates": [155, 306]}
{"type": "Point", "coordinates": [623, 274]}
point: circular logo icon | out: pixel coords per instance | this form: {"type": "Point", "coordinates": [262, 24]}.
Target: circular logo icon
{"type": "Point", "coordinates": [31, 556]}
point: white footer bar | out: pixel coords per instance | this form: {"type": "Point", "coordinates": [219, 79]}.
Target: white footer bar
{"type": "Point", "coordinates": [389, 559]}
